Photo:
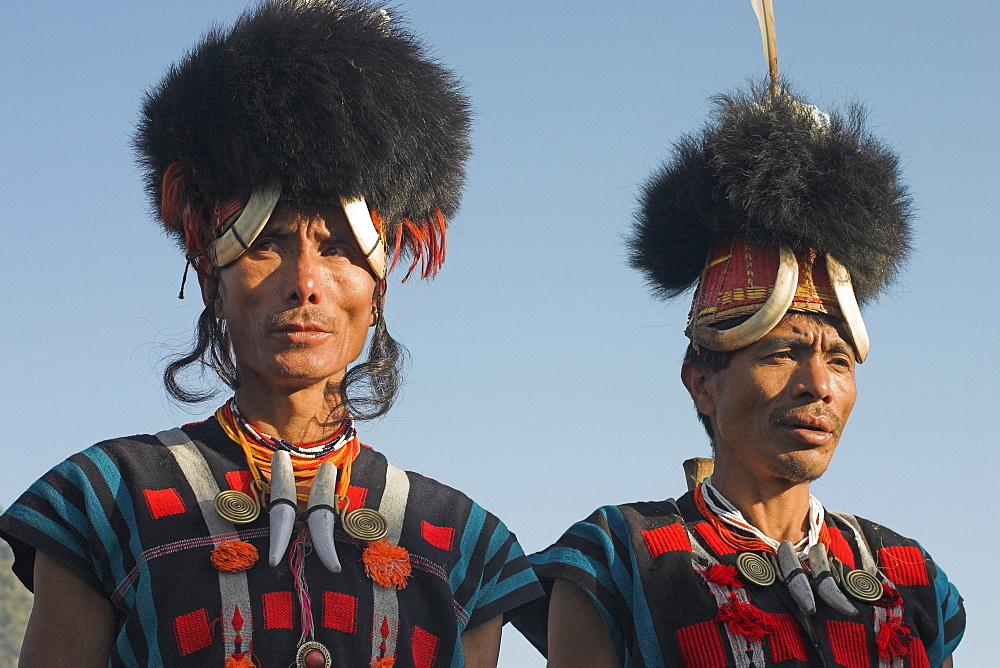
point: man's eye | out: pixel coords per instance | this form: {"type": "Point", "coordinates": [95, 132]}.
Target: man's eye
{"type": "Point", "coordinates": [338, 250]}
{"type": "Point", "coordinates": [264, 245]}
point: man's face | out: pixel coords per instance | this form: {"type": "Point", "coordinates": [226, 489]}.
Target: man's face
{"type": "Point", "coordinates": [298, 303]}
{"type": "Point", "coordinates": [779, 408]}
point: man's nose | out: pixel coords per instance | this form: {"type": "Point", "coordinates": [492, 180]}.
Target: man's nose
{"type": "Point", "coordinates": [303, 284]}
{"type": "Point", "coordinates": [812, 380]}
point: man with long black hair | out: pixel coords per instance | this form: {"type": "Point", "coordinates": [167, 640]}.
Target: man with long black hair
{"type": "Point", "coordinates": [295, 157]}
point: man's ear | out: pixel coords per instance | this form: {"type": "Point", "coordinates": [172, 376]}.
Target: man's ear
{"type": "Point", "coordinates": [699, 383]}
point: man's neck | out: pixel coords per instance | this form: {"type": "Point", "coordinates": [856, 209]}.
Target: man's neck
{"type": "Point", "coordinates": [780, 509]}
{"type": "Point", "coordinates": [300, 416]}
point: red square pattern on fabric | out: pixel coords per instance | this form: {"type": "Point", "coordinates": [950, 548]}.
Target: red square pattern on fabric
{"type": "Point", "coordinates": [240, 481]}
{"type": "Point", "coordinates": [849, 644]}
{"type": "Point", "coordinates": [357, 496]}
{"type": "Point", "coordinates": [701, 646]}
{"type": "Point", "coordinates": [340, 612]}
{"type": "Point", "coordinates": [439, 537]}
{"type": "Point", "coordinates": [918, 655]}
{"type": "Point", "coordinates": [279, 610]}
{"type": "Point", "coordinates": [786, 639]}
{"type": "Point", "coordinates": [425, 647]}
{"type": "Point", "coordinates": [163, 502]}
{"type": "Point", "coordinates": [192, 632]}
{"type": "Point", "coordinates": [840, 548]}
{"type": "Point", "coordinates": [710, 536]}
{"type": "Point", "coordinates": [904, 565]}
{"type": "Point", "coordinates": [671, 538]}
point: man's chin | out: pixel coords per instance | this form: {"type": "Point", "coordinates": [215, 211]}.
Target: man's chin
{"type": "Point", "coordinates": [800, 470]}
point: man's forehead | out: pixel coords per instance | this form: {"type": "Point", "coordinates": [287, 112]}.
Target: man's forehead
{"type": "Point", "coordinates": [291, 217]}
{"type": "Point", "coordinates": [805, 327]}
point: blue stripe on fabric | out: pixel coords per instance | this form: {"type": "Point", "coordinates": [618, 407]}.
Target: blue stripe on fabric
{"type": "Point", "coordinates": [509, 585]}
{"type": "Point", "coordinates": [42, 523]}
{"type": "Point", "coordinates": [946, 595]}
{"type": "Point", "coordinates": [642, 620]}
{"type": "Point", "coordinates": [500, 535]}
{"type": "Point", "coordinates": [143, 603]}
{"type": "Point", "coordinates": [497, 540]}
{"type": "Point", "coordinates": [470, 537]}
{"type": "Point", "coordinates": [601, 570]}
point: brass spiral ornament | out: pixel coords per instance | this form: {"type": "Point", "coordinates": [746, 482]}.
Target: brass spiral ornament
{"type": "Point", "coordinates": [756, 569]}
{"type": "Point", "coordinates": [237, 507]}
{"type": "Point", "coordinates": [365, 524]}
{"type": "Point", "coordinates": [863, 586]}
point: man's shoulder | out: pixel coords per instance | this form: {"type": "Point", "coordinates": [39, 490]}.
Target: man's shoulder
{"type": "Point", "coordinates": [876, 535]}
{"type": "Point", "coordinates": [140, 447]}
{"type": "Point", "coordinates": [646, 514]}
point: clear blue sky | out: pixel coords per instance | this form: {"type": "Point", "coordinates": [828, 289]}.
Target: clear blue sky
{"type": "Point", "coordinates": [544, 379]}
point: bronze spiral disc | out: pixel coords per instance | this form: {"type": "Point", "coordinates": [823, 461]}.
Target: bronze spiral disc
{"type": "Point", "coordinates": [863, 586]}
{"type": "Point", "coordinates": [365, 524]}
{"type": "Point", "coordinates": [235, 506]}
{"type": "Point", "coordinates": [756, 569]}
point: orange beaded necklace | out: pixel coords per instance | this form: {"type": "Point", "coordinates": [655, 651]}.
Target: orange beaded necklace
{"type": "Point", "coordinates": [259, 459]}
{"type": "Point", "coordinates": [738, 541]}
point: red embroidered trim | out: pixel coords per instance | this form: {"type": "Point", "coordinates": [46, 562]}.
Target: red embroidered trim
{"type": "Point", "coordinates": [424, 647]}
{"type": "Point", "coordinates": [357, 496]}
{"type": "Point", "coordinates": [904, 565]}
{"type": "Point", "coordinates": [918, 655]}
{"type": "Point", "coordinates": [241, 481]}
{"type": "Point", "coordinates": [163, 502]}
{"type": "Point", "coordinates": [279, 611]}
{"type": "Point", "coordinates": [839, 547]}
{"type": "Point", "coordinates": [192, 632]}
{"type": "Point", "coordinates": [439, 537]}
{"type": "Point", "coordinates": [701, 646]}
{"type": "Point", "coordinates": [672, 538]}
{"type": "Point", "coordinates": [849, 644]}
{"type": "Point", "coordinates": [340, 612]}
{"type": "Point", "coordinates": [723, 574]}
{"type": "Point", "coordinates": [745, 618]}
{"type": "Point", "coordinates": [714, 540]}
{"type": "Point", "coordinates": [893, 639]}
{"type": "Point", "coordinates": [786, 639]}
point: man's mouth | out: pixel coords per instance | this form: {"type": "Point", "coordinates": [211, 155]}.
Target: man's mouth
{"type": "Point", "coordinates": [817, 423]}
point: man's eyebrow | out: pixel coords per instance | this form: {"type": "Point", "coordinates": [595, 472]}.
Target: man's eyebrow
{"type": "Point", "coordinates": [277, 232]}
{"type": "Point", "coordinates": [796, 343]}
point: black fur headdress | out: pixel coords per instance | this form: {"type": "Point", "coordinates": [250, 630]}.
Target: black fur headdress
{"type": "Point", "coordinates": [332, 97]}
{"type": "Point", "coordinates": [764, 168]}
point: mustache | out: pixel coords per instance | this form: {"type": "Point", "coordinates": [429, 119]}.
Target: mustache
{"type": "Point", "coordinates": [301, 317]}
{"type": "Point", "coordinates": [779, 415]}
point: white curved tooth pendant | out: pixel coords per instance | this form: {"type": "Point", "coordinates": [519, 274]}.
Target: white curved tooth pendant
{"type": "Point", "coordinates": [283, 506]}
{"type": "Point", "coordinates": [826, 587]}
{"type": "Point", "coordinates": [795, 578]}
{"type": "Point", "coordinates": [321, 515]}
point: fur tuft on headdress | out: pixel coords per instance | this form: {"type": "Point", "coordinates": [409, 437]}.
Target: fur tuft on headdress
{"type": "Point", "coordinates": [774, 170]}
{"type": "Point", "coordinates": [333, 98]}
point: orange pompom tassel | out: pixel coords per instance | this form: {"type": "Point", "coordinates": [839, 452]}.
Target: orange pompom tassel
{"type": "Point", "coordinates": [386, 563]}
{"type": "Point", "coordinates": [242, 662]}
{"type": "Point", "coordinates": [234, 555]}
{"type": "Point", "coordinates": [385, 662]}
